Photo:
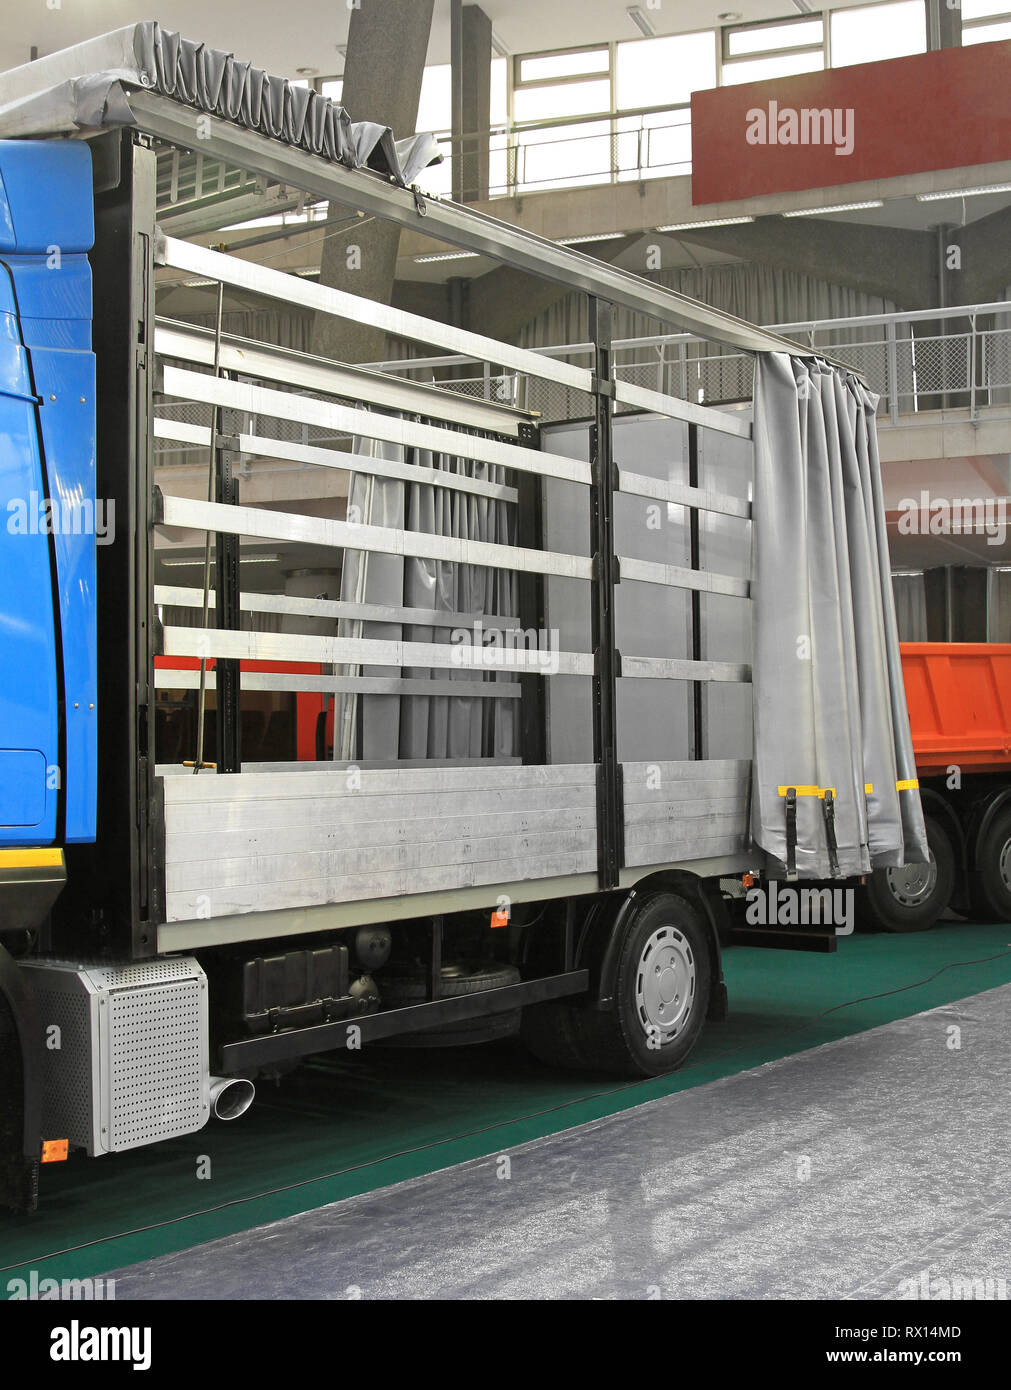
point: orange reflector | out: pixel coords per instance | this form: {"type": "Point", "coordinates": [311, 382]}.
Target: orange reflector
{"type": "Point", "coordinates": [500, 917]}
{"type": "Point", "coordinates": [748, 880]}
{"type": "Point", "coordinates": [55, 1150]}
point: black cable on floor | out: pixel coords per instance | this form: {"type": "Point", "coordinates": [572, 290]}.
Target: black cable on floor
{"type": "Point", "coordinates": [485, 1129]}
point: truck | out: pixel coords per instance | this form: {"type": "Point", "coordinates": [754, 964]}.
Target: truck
{"type": "Point", "coordinates": [516, 703]}
{"type": "Point", "coordinates": [959, 700]}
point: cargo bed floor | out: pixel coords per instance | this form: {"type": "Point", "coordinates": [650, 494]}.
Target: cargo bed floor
{"type": "Point", "coordinates": [340, 1129]}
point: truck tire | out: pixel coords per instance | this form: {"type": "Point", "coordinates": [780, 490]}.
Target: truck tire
{"type": "Point", "coordinates": [458, 979]}
{"type": "Point", "coordinates": [550, 1032]}
{"type": "Point", "coordinates": [661, 993]}
{"type": "Point", "coordinates": [991, 881]}
{"type": "Point", "coordinates": [18, 1175]}
{"type": "Point", "coordinates": [911, 899]}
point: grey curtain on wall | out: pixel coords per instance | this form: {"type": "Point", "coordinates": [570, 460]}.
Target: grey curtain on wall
{"type": "Point", "coordinates": [829, 702]}
{"type": "Point", "coordinates": [758, 293]}
{"type": "Point", "coordinates": [910, 595]}
{"type": "Point", "coordinates": [383, 727]}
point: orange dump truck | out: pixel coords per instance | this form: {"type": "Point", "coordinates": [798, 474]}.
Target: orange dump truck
{"type": "Point", "coordinates": [959, 698]}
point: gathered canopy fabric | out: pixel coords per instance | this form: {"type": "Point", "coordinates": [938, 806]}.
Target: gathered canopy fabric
{"type": "Point", "coordinates": [829, 703]}
{"type": "Point", "coordinates": [88, 87]}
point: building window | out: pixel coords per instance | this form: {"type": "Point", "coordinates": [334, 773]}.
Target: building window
{"type": "Point", "coordinates": [985, 21]}
{"type": "Point", "coordinates": [664, 72]}
{"type": "Point", "coordinates": [745, 40]}
{"type": "Point", "coordinates": [875, 32]}
{"type": "Point", "coordinates": [758, 52]}
{"type": "Point", "coordinates": [571, 63]}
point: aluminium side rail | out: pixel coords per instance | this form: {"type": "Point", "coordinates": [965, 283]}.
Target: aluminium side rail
{"type": "Point", "coordinates": [589, 835]}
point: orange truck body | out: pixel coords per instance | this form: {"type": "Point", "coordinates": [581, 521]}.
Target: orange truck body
{"type": "Point", "coordinates": [959, 699]}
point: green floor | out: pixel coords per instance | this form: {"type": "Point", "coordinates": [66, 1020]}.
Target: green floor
{"type": "Point", "coordinates": [334, 1130]}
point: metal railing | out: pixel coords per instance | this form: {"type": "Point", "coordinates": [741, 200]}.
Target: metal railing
{"type": "Point", "coordinates": [574, 151]}
{"type": "Point", "coordinates": [923, 360]}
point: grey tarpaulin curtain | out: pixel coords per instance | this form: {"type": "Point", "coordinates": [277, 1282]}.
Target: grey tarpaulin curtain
{"type": "Point", "coordinates": [411, 726]}
{"type": "Point", "coordinates": [88, 88]}
{"type": "Point", "coordinates": [829, 702]}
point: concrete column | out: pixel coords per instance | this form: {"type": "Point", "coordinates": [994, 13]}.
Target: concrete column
{"type": "Point", "coordinates": [944, 24]}
{"type": "Point", "coordinates": [387, 46]}
{"type": "Point", "coordinates": [471, 58]}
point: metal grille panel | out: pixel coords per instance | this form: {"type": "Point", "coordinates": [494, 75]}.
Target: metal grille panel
{"type": "Point", "coordinates": [68, 1076]}
{"type": "Point", "coordinates": [132, 1064]}
{"type": "Point", "coordinates": [156, 1045]}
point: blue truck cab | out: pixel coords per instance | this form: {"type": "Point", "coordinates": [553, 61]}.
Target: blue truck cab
{"type": "Point", "coordinates": [50, 517]}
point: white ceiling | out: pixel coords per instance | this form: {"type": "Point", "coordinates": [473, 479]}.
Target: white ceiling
{"type": "Point", "coordinates": [307, 33]}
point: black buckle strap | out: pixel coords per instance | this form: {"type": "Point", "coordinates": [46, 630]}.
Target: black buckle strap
{"type": "Point", "coordinates": [791, 833]}
{"type": "Point", "coordinates": [828, 807]}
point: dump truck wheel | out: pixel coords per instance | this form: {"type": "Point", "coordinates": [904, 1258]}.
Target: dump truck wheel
{"type": "Point", "coordinates": [991, 881]}
{"type": "Point", "coordinates": [912, 898]}
{"type": "Point", "coordinates": [661, 993]}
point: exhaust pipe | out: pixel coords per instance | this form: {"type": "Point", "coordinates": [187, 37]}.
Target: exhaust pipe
{"type": "Point", "coordinates": [231, 1096]}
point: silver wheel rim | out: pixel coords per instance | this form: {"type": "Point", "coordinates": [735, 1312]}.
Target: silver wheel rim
{"type": "Point", "coordinates": [913, 884]}
{"type": "Point", "coordinates": [1004, 864]}
{"type": "Point", "coordinates": [665, 984]}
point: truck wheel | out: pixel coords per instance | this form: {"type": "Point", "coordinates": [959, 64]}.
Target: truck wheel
{"type": "Point", "coordinates": [18, 1175]}
{"type": "Point", "coordinates": [911, 898]}
{"type": "Point", "coordinates": [661, 993]}
{"type": "Point", "coordinates": [551, 1033]}
{"type": "Point", "coordinates": [991, 882]}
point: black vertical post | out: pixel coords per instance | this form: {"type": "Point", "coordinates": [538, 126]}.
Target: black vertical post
{"type": "Point", "coordinates": [698, 710]}
{"type": "Point", "coordinates": [606, 659]}
{"type": "Point", "coordinates": [118, 891]}
{"type": "Point", "coordinates": [228, 612]}
{"type": "Point", "coordinates": [435, 962]}
{"type": "Point", "coordinates": [530, 535]}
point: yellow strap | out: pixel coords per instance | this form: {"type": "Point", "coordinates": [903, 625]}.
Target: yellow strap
{"type": "Point", "coordinates": [31, 858]}
{"type": "Point", "coordinates": [909, 786]}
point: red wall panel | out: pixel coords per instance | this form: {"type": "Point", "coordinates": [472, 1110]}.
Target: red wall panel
{"type": "Point", "coordinates": [933, 111]}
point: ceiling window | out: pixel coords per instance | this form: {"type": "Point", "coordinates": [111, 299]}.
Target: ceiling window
{"type": "Point", "coordinates": [764, 69]}
{"type": "Point", "coordinates": [570, 82]}
{"type": "Point", "coordinates": [747, 39]}
{"type": "Point", "coordinates": [759, 52]}
{"type": "Point", "coordinates": [549, 67]}
{"type": "Point", "coordinates": [985, 21]}
{"type": "Point", "coordinates": [987, 33]}
{"type": "Point", "coordinates": [875, 32]}
{"type": "Point", "coordinates": [665, 72]}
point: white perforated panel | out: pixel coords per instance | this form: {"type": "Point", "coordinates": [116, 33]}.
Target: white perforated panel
{"type": "Point", "coordinates": [156, 1076]}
